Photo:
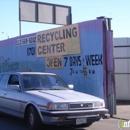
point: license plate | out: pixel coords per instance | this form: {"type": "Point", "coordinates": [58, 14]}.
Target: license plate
{"type": "Point", "coordinates": [81, 121]}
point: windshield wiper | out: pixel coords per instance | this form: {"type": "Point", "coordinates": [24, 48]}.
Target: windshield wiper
{"type": "Point", "coordinates": [58, 89]}
{"type": "Point", "coordinates": [33, 89]}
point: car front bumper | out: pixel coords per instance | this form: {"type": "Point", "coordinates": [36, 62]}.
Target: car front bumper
{"type": "Point", "coordinates": [69, 117]}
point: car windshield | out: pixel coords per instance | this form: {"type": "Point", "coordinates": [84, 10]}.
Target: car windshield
{"type": "Point", "coordinates": [43, 82]}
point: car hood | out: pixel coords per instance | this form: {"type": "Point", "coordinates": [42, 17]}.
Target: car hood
{"type": "Point", "coordinates": [64, 96]}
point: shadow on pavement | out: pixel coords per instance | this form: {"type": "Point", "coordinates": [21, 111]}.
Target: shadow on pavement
{"type": "Point", "coordinates": [62, 128]}
{"type": "Point", "coordinates": [18, 124]}
{"type": "Point", "coordinates": [119, 118]}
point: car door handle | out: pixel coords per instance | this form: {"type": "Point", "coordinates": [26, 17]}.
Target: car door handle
{"type": "Point", "coordinates": [5, 93]}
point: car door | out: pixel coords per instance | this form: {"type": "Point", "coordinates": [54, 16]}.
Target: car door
{"type": "Point", "coordinates": [3, 85]}
{"type": "Point", "coordinates": [12, 97]}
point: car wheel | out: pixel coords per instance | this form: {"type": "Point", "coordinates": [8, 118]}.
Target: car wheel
{"type": "Point", "coordinates": [33, 119]}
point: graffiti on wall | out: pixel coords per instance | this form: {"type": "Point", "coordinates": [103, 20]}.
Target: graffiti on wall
{"type": "Point", "coordinates": [38, 66]}
{"type": "Point", "coordinates": [6, 65]}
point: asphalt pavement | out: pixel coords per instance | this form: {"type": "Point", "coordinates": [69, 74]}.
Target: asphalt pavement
{"type": "Point", "coordinates": [123, 112]}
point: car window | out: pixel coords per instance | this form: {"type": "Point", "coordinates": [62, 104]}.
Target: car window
{"type": "Point", "coordinates": [26, 81]}
{"type": "Point", "coordinates": [54, 81]}
{"type": "Point", "coordinates": [35, 81]}
{"type": "Point", "coordinates": [13, 80]}
{"type": "Point", "coordinates": [3, 81]}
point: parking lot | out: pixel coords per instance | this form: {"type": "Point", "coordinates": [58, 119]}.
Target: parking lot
{"type": "Point", "coordinates": [123, 111]}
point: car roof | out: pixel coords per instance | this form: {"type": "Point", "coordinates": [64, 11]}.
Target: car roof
{"type": "Point", "coordinates": [39, 73]}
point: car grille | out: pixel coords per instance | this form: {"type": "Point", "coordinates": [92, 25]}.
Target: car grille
{"type": "Point", "coordinates": [80, 105]}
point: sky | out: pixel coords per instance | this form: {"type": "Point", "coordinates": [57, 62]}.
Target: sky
{"type": "Point", "coordinates": [83, 10]}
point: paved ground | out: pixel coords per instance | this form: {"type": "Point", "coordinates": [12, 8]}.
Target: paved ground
{"type": "Point", "coordinates": [123, 111]}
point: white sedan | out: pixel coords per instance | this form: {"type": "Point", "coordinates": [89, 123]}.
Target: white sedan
{"type": "Point", "coordinates": [44, 98]}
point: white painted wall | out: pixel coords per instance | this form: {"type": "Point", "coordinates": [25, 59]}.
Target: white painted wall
{"type": "Point", "coordinates": [122, 67]}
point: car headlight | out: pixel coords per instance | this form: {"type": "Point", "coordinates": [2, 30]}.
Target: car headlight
{"type": "Point", "coordinates": [99, 104]}
{"type": "Point", "coordinates": [57, 106]}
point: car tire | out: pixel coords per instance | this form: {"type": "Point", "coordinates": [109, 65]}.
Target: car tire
{"type": "Point", "coordinates": [33, 119]}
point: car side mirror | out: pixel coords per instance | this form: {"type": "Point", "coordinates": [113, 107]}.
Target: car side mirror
{"type": "Point", "coordinates": [71, 86]}
{"type": "Point", "coordinates": [15, 87]}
